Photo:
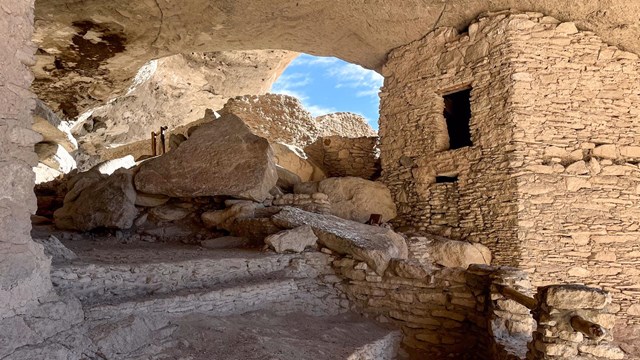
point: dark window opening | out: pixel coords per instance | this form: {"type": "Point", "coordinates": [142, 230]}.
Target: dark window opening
{"type": "Point", "coordinates": [446, 179]}
{"type": "Point", "coordinates": [457, 113]}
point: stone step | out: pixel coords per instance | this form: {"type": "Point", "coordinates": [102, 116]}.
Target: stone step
{"type": "Point", "coordinates": [128, 275]}
{"type": "Point", "coordinates": [250, 336]}
{"type": "Point", "coordinates": [275, 292]}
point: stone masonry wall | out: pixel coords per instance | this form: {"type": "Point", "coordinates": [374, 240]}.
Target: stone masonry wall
{"type": "Point", "coordinates": [575, 104]}
{"type": "Point", "coordinates": [342, 156]}
{"type": "Point", "coordinates": [423, 302]}
{"type": "Point", "coordinates": [552, 181]}
{"type": "Point", "coordinates": [443, 312]}
{"type": "Point", "coordinates": [481, 205]}
{"type": "Point", "coordinates": [24, 270]}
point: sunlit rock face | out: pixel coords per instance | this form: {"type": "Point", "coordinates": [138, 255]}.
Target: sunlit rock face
{"type": "Point", "coordinates": [90, 50]}
{"type": "Point", "coordinates": [173, 91]}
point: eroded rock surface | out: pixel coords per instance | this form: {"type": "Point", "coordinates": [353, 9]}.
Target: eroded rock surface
{"type": "Point", "coordinates": [109, 41]}
{"type": "Point", "coordinates": [449, 253]}
{"type": "Point", "coordinates": [220, 158]}
{"type": "Point", "coordinates": [374, 245]}
{"type": "Point", "coordinates": [354, 198]}
{"type": "Point", "coordinates": [294, 240]}
{"type": "Point", "coordinates": [96, 200]}
{"type": "Point", "coordinates": [175, 91]}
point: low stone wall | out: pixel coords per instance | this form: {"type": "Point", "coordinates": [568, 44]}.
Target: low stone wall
{"type": "Point", "coordinates": [441, 311]}
{"type": "Point", "coordinates": [555, 337]}
{"type": "Point", "coordinates": [341, 156]}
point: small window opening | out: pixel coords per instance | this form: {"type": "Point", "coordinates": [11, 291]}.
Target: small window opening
{"type": "Point", "coordinates": [457, 113]}
{"type": "Point", "coordinates": [446, 179]}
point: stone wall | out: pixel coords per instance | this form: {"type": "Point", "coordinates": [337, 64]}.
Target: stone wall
{"type": "Point", "coordinates": [443, 312]}
{"type": "Point", "coordinates": [24, 270]}
{"type": "Point", "coordinates": [342, 156]}
{"type": "Point", "coordinates": [575, 104]}
{"type": "Point", "coordinates": [551, 182]}
{"type": "Point", "coordinates": [481, 204]}
{"type": "Point", "coordinates": [557, 334]}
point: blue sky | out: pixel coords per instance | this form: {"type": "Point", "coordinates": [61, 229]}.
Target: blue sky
{"type": "Point", "coordinates": [326, 85]}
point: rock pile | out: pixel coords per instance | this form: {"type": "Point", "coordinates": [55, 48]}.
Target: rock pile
{"type": "Point", "coordinates": [224, 186]}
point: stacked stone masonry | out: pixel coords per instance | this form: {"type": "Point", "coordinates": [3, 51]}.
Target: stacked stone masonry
{"type": "Point", "coordinates": [556, 338]}
{"type": "Point", "coordinates": [443, 312]}
{"type": "Point", "coordinates": [551, 182]}
{"type": "Point", "coordinates": [342, 156]}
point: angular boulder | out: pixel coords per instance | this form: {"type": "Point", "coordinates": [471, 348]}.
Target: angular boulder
{"type": "Point", "coordinates": [95, 200]}
{"type": "Point", "coordinates": [452, 253]}
{"type": "Point", "coordinates": [355, 198]}
{"type": "Point", "coordinates": [296, 161]}
{"type": "Point", "coordinates": [374, 245]}
{"type": "Point", "coordinates": [294, 240]}
{"type": "Point", "coordinates": [222, 157]}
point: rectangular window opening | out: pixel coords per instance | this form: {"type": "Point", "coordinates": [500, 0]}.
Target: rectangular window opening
{"type": "Point", "coordinates": [446, 179]}
{"type": "Point", "coordinates": [457, 113]}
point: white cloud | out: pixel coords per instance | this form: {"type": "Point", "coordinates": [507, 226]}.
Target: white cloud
{"type": "Point", "coordinates": [316, 110]}
{"type": "Point", "coordinates": [363, 83]}
{"type": "Point", "coordinates": [367, 83]}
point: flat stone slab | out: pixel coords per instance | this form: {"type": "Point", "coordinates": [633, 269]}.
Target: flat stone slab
{"type": "Point", "coordinates": [374, 245]}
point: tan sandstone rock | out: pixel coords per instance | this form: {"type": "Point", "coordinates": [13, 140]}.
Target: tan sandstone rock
{"type": "Point", "coordinates": [374, 245]}
{"type": "Point", "coordinates": [295, 160]}
{"type": "Point", "coordinates": [452, 253]}
{"type": "Point", "coordinates": [355, 199]}
{"type": "Point", "coordinates": [294, 240]}
{"type": "Point", "coordinates": [220, 158]}
{"type": "Point", "coordinates": [99, 201]}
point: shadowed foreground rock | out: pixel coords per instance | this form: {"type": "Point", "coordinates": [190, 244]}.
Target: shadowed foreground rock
{"type": "Point", "coordinates": [374, 245]}
{"type": "Point", "coordinates": [220, 158]}
{"type": "Point", "coordinates": [96, 201]}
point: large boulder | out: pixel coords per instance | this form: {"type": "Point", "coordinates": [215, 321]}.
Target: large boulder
{"type": "Point", "coordinates": [374, 245]}
{"type": "Point", "coordinates": [95, 200]}
{"type": "Point", "coordinates": [354, 198]}
{"type": "Point", "coordinates": [452, 253]}
{"type": "Point", "coordinates": [277, 118]}
{"type": "Point", "coordinates": [222, 157]}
